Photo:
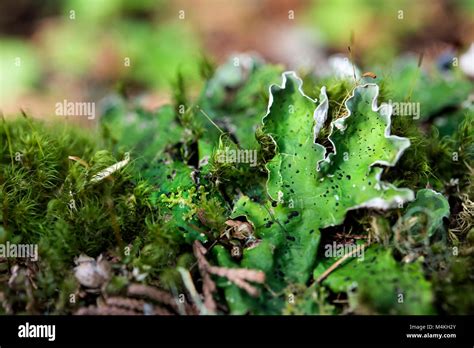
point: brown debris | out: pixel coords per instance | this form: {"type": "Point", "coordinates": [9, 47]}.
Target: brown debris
{"type": "Point", "coordinates": [161, 311]}
{"type": "Point", "coordinates": [238, 229]}
{"type": "Point", "coordinates": [238, 276]}
{"type": "Point", "coordinates": [79, 160]}
{"type": "Point", "coordinates": [105, 310]}
{"type": "Point", "coordinates": [209, 287]}
{"type": "Point", "coordinates": [136, 305]}
{"type": "Point", "coordinates": [124, 302]}
{"type": "Point", "coordinates": [152, 293]}
{"type": "Point", "coordinates": [161, 296]}
{"type": "Point", "coordinates": [337, 264]}
{"type": "Point", "coordinates": [21, 281]}
{"type": "Point", "coordinates": [123, 306]}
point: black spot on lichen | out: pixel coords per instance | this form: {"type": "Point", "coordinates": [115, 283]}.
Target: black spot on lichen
{"type": "Point", "coordinates": [293, 214]}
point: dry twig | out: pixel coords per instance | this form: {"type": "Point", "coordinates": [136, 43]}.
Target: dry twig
{"type": "Point", "coordinates": [337, 264]}
{"type": "Point", "coordinates": [238, 276]}
{"type": "Point", "coordinates": [152, 293]}
{"type": "Point", "coordinates": [209, 287]}
{"type": "Point", "coordinates": [105, 310]}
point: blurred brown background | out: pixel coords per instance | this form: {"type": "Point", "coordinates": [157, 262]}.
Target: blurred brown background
{"type": "Point", "coordinates": [87, 49]}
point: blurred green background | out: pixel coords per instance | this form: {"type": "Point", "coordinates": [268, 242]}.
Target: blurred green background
{"type": "Point", "coordinates": [86, 49]}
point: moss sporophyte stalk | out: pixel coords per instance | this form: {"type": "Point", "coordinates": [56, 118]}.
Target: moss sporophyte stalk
{"type": "Point", "coordinates": [263, 195]}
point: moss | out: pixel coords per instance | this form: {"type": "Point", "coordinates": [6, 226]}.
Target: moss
{"type": "Point", "coordinates": [48, 198]}
{"type": "Point", "coordinates": [455, 286]}
{"type": "Point", "coordinates": [34, 165]}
